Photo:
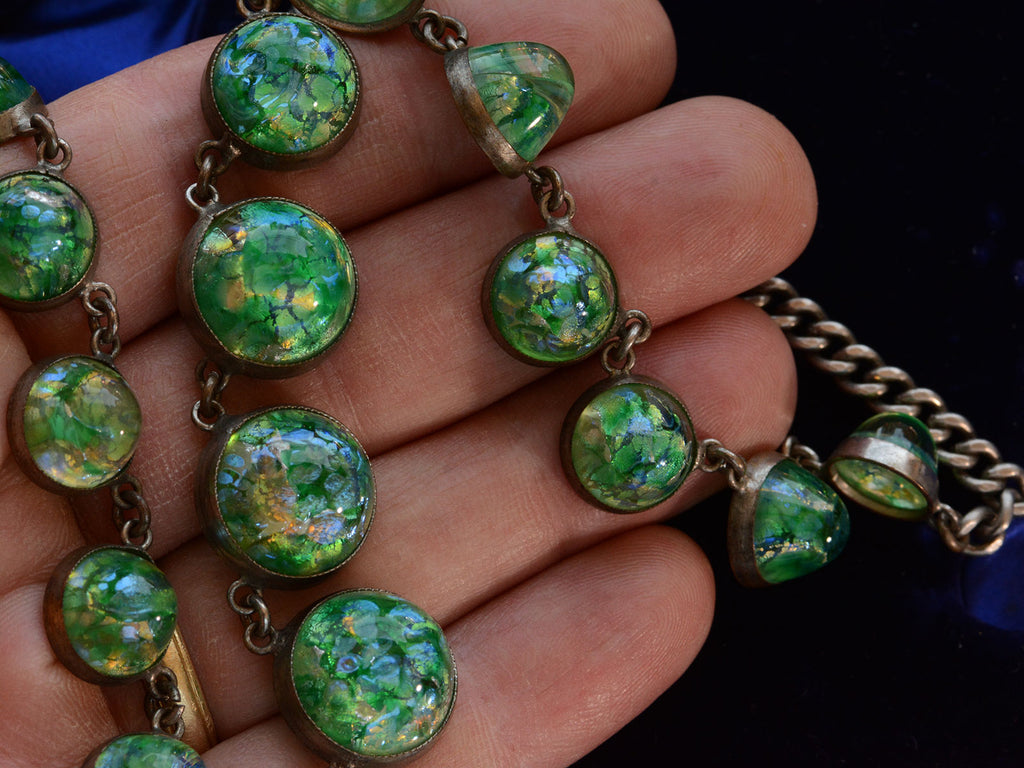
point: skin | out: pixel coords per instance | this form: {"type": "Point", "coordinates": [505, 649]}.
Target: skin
{"type": "Point", "coordinates": [565, 621]}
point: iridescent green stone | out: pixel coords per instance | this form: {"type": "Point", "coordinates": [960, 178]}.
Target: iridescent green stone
{"type": "Point", "coordinates": [274, 282]}
{"type": "Point", "coordinates": [526, 89]}
{"type": "Point", "coordinates": [81, 422]}
{"type": "Point", "coordinates": [146, 750]}
{"type": "Point", "coordinates": [373, 672]}
{"type": "Point", "coordinates": [119, 612]}
{"type": "Point", "coordinates": [361, 12]}
{"type": "Point", "coordinates": [632, 446]}
{"type": "Point", "coordinates": [880, 484]}
{"type": "Point", "coordinates": [800, 523]}
{"type": "Point", "coordinates": [284, 84]}
{"type": "Point", "coordinates": [14, 89]}
{"type": "Point", "coordinates": [47, 237]}
{"type": "Point", "coordinates": [553, 298]}
{"type": "Point", "coordinates": [295, 491]}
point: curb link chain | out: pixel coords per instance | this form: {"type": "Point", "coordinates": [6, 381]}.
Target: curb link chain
{"type": "Point", "coordinates": [860, 371]}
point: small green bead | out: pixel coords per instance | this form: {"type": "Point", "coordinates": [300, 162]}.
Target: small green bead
{"type": "Point", "coordinates": [47, 237]}
{"type": "Point", "coordinates": [295, 491]}
{"type": "Point", "coordinates": [553, 298]}
{"type": "Point", "coordinates": [373, 672]}
{"type": "Point", "coordinates": [119, 612]}
{"type": "Point", "coordinates": [880, 484]}
{"type": "Point", "coordinates": [632, 446]}
{"type": "Point", "coordinates": [81, 422]}
{"type": "Point", "coordinates": [146, 750]}
{"type": "Point", "coordinates": [800, 524]}
{"type": "Point", "coordinates": [526, 89]}
{"type": "Point", "coordinates": [360, 11]}
{"type": "Point", "coordinates": [274, 282]}
{"type": "Point", "coordinates": [14, 89]}
{"type": "Point", "coordinates": [284, 84]}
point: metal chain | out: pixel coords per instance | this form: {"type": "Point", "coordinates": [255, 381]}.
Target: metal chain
{"type": "Point", "coordinates": [208, 409]}
{"type": "Point", "coordinates": [556, 203]}
{"type": "Point", "coordinates": [439, 32]}
{"type": "Point", "coordinates": [859, 370]}
{"type": "Point", "coordinates": [100, 303]}
{"type": "Point", "coordinates": [163, 702]}
{"type": "Point", "coordinates": [128, 498]}
{"type": "Point", "coordinates": [260, 635]}
{"type": "Point", "coordinates": [619, 355]}
{"type": "Point", "coordinates": [802, 454]}
{"type": "Point", "coordinates": [51, 150]}
{"type": "Point", "coordinates": [212, 159]}
{"type": "Point", "coordinates": [713, 457]}
{"type": "Point", "coordinates": [249, 9]}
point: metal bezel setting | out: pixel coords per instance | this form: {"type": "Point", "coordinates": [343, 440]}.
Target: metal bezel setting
{"type": "Point", "coordinates": [70, 293]}
{"type": "Point", "coordinates": [467, 99]}
{"type": "Point", "coordinates": [352, 28]}
{"type": "Point", "coordinates": [216, 530]}
{"type": "Point", "coordinates": [262, 158]}
{"type": "Point", "coordinates": [573, 416]}
{"type": "Point", "coordinates": [53, 617]}
{"type": "Point", "coordinates": [893, 458]}
{"type": "Point", "coordinates": [308, 732]}
{"type": "Point", "coordinates": [16, 427]}
{"type": "Point", "coordinates": [742, 509]}
{"type": "Point", "coordinates": [204, 335]}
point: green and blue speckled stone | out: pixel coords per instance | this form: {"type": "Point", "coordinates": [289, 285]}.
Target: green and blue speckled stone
{"type": "Point", "coordinates": [526, 89]}
{"type": "Point", "coordinates": [14, 89]}
{"type": "Point", "coordinates": [878, 485]}
{"type": "Point", "coordinates": [284, 85]}
{"type": "Point", "coordinates": [373, 673]}
{"type": "Point", "coordinates": [145, 750]}
{"type": "Point", "coordinates": [81, 423]}
{"type": "Point", "coordinates": [273, 282]}
{"type": "Point", "coordinates": [294, 492]}
{"type": "Point", "coordinates": [119, 612]}
{"type": "Point", "coordinates": [800, 523]}
{"type": "Point", "coordinates": [551, 298]}
{"type": "Point", "coordinates": [47, 238]}
{"type": "Point", "coordinates": [628, 444]}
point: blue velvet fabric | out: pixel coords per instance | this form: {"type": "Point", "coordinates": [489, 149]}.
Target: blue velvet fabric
{"type": "Point", "coordinates": [59, 46]}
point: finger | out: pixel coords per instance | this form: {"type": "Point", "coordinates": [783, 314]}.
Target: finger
{"type": "Point", "coordinates": [134, 135]}
{"type": "Point", "coordinates": [467, 514]}
{"type": "Point", "coordinates": [598, 636]}
{"type": "Point", "coordinates": [419, 357]}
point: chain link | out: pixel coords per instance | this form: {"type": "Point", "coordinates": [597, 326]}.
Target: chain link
{"type": "Point", "coordinates": [802, 454]}
{"type": "Point", "coordinates": [439, 32]}
{"type": "Point", "coordinates": [713, 457]}
{"type": "Point", "coordinates": [619, 355]}
{"type": "Point", "coordinates": [208, 409]}
{"type": "Point", "coordinates": [163, 702]}
{"type": "Point", "coordinates": [260, 636]}
{"type": "Point", "coordinates": [131, 512]}
{"type": "Point", "coordinates": [51, 150]}
{"type": "Point", "coordinates": [556, 203]}
{"type": "Point", "coordinates": [100, 303]}
{"type": "Point", "coordinates": [249, 9]}
{"type": "Point", "coordinates": [212, 159]}
{"type": "Point", "coordinates": [975, 463]}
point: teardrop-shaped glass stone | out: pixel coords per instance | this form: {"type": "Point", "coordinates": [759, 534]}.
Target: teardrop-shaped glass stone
{"type": "Point", "coordinates": [362, 12]}
{"type": "Point", "coordinates": [14, 89]}
{"type": "Point", "coordinates": [526, 89]}
{"type": "Point", "coordinates": [800, 523]}
{"type": "Point", "coordinates": [877, 484]}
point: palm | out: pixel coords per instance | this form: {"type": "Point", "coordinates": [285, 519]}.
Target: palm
{"type": "Point", "coordinates": [565, 621]}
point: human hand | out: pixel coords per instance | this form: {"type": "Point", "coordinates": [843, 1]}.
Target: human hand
{"type": "Point", "coordinates": [565, 621]}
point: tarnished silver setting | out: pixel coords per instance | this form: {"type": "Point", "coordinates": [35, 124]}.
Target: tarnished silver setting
{"type": "Point", "coordinates": [467, 98]}
{"type": "Point", "coordinates": [573, 416]}
{"type": "Point", "coordinates": [201, 332]}
{"type": "Point", "coordinates": [353, 28]}
{"type": "Point", "coordinates": [892, 457]}
{"type": "Point", "coordinates": [16, 429]}
{"type": "Point", "coordinates": [742, 506]}
{"type": "Point", "coordinates": [216, 529]}
{"type": "Point", "coordinates": [45, 169]}
{"type": "Point", "coordinates": [488, 284]}
{"type": "Point", "coordinates": [53, 618]}
{"type": "Point", "coordinates": [261, 158]}
{"type": "Point", "coordinates": [17, 120]}
{"type": "Point", "coordinates": [315, 739]}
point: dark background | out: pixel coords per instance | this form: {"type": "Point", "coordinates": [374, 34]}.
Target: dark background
{"type": "Point", "coordinates": [899, 653]}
